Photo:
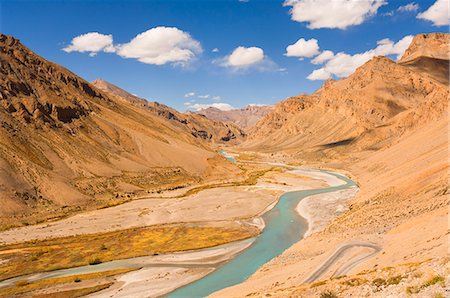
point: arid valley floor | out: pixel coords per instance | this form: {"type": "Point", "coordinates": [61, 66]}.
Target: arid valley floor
{"type": "Point", "coordinates": [105, 194]}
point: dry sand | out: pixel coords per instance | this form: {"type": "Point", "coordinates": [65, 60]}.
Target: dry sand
{"type": "Point", "coordinates": [319, 210]}
{"type": "Point", "coordinates": [152, 282]}
{"type": "Point", "coordinates": [218, 204]}
{"type": "Point", "coordinates": [156, 281]}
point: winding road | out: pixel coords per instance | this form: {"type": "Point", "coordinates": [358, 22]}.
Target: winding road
{"type": "Point", "coordinates": [339, 252]}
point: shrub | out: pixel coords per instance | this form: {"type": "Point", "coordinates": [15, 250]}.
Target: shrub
{"type": "Point", "coordinates": [394, 280]}
{"type": "Point", "coordinates": [103, 247]}
{"type": "Point", "coordinates": [318, 283]}
{"type": "Point", "coordinates": [434, 280]}
{"type": "Point", "coordinates": [21, 283]}
{"type": "Point", "coordinates": [328, 294]}
{"type": "Point", "coordinates": [95, 261]}
{"type": "Point", "coordinates": [354, 282]}
{"type": "Point", "coordinates": [412, 290]}
{"type": "Point", "coordinates": [378, 282]}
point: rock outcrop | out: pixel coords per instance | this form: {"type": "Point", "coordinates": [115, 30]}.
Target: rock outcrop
{"type": "Point", "coordinates": [431, 45]}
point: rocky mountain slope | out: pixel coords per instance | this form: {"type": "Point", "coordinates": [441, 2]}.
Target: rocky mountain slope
{"type": "Point", "coordinates": [368, 110]}
{"type": "Point", "coordinates": [66, 145]}
{"type": "Point", "coordinates": [201, 127]}
{"type": "Point", "coordinates": [387, 126]}
{"type": "Point", "coordinates": [244, 118]}
{"type": "Point", "coordinates": [433, 45]}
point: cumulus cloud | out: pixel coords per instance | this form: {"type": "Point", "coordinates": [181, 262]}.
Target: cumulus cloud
{"type": "Point", "coordinates": [408, 7]}
{"type": "Point", "coordinates": [244, 57]}
{"type": "Point", "coordinates": [215, 50]}
{"type": "Point", "coordinates": [343, 64]}
{"type": "Point", "coordinates": [158, 46]}
{"type": "Point", "coordinates": [161, 45]}
{"type": "Point", "coordinates": [189, 94]}
{"type": "Point", "coordinates": [204, 96]}
{"type": "Point", "coordinates": [437, 13]}
{"type": "Point", "coordinates": [323, 57]}
{"type": "Point", "coordinates": [303, 48]}
{"type": "Point", "coordinates": [319, 74]}
{"type": "Point", "coordinates": [92, 43]}
{"type": "Point", "coordinates": [218, 105]}
{"type": "Point", "coordinates": [332, 13]}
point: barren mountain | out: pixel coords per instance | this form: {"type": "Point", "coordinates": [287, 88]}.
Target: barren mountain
{"type": "Point", "coordinates": [244, 118]}
{"type": "Point", "coordinates": [368, 110]}
{"type": "Point", "coordinates": [66, 145]}
{"type": "Point", "coordinates": [432, 45]}
{"type": "Point", "coordinates": [199, 126]}
{"type": "Point", "coordinates": [387, 125]}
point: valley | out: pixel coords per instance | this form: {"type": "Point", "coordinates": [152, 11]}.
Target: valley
{"type": "Point", "coordinates": [243, 207]}
{"type": "Point", "coordinates": [341, 192]}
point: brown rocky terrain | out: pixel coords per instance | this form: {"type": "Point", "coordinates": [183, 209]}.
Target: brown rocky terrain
{"type": "Point", "coordinates": [432, 45]}
{"type": "Point", "coordinates": [201, 127]}
{"type": "Point", "coordinates": [67, 145]}
{"type": "Point", "coordinates": [368, 110]}
{"type": "Point", "coordinates": [387, 126]}
{"type": "Point", "coordinates": [244, 118]}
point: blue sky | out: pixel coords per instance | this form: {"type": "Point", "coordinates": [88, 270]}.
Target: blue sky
{"type": "Point", "coordinates": [261, 72]}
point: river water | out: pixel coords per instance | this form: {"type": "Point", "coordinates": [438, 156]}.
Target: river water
{"type": "Point", "coordinates": [284, 227]}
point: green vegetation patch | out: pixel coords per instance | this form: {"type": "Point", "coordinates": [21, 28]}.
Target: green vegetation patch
{"type": "Point", "coordinates": [73, 251]}
{"type": "Point", "coordinates": [23, 286]}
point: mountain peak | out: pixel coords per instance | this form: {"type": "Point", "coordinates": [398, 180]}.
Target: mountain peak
{"type": "Point", "coordinates": [432, 45]}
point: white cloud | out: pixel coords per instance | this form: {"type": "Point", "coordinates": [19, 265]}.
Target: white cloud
{"type": "Point", "coordinates": [332, 13]}
{"type": "Point", "coordinates": [343, 64]}
{"type": "Point", "coordinates": [257, 105]}
{"type": "Point", "coordinates": [323, 57]}
{"type": "Point", "coordinates": [92, 43]}
{"type": "Point", "coordinates": [204, 96]}
{"type": "Point", "coordinates": [438, 13]}
{"type": "Point", "coordinates": [319, 74]}
{"type": "Point", "coordinates": [408, 7]}
{"type": "Point", "coordinates": [244, 57]}
{"type": "Point", "coordinates": [158, 46]}
{"type": "Point", "coordinates": [189, 94]}
{"type": "Point", "coordinates": [218, 105]}
{"type": "Point", "coordinates": [215, 50]}
{"type": "Point", "coordinates": [216, 98]}
{"type": "Point", "coordinates": [303, 48]}
{"type": "Point", "coordinates": [161, 45]}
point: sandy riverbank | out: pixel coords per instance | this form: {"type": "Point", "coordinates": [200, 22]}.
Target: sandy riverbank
{"type": "Point", "coordinates": [319, 210]}
{"type": "Point", "coordinates": [156, 281]}
{"type": "Point", "coordinates": [217, 204]}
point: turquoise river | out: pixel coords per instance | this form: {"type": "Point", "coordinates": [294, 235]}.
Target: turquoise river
{"type": "Point", "coordinates": [284, 227]}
